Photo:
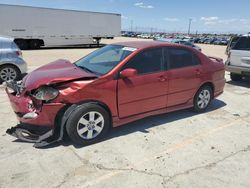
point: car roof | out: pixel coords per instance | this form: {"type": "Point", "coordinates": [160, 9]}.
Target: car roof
{"type": "Point", "coordinates": [145, 44]}
{"type": "Point", "coordinates": [6, 39]}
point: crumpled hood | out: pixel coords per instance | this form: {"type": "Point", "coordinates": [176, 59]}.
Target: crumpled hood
{"type": "Point", "coordinates": [55, 72]}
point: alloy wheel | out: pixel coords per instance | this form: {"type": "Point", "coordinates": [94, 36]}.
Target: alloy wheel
{"type": "Point", "coordinates": [203, 99]}
{"type": "Point", "coordinates": [90, 125]}
{"type": "Point", "coordinates": [8, 73]}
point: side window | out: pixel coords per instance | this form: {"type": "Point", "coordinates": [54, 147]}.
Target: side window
{"type": "Point", "coordinates": [242, 44]}
{"type": "Point", "coordinates": [178, 58]}
{"type": "Point", "coordinates": [147, 61]}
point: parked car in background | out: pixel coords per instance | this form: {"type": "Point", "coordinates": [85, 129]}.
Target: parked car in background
{"type": "Point", "coordinates": [196, 40]}
{"type": "Point", "coordinates": [238, 62]}
{"type": "Point", "coordinates": [114, 85]}
{"type": "Point", "coordinates": [203, 40]}
{"type": "Point", "coordinates": [178, 41]}
{"type": "Point", "coordinates": [187, 43]}
{"type": "Point", "coordinates": [210, 41]}
{"type": "Point", "coordinates": [12, 66]}
{"type": "Point", "coordinates": [220, 42]}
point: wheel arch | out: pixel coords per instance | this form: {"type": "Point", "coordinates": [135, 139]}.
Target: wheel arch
{"type": "Point", "coordinates": [208, 83]}
{"type": "Point", "coordinates": [102, 104]}
{"type": "Point", "coordinates": [10, 64]}
{"type": "Point", "coordinates": [63, 115]}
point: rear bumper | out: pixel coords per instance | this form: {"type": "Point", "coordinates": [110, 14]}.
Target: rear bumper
{"type": "Point", "coordinates": [219, 87]}
{"type": "Point", "coordinates": [236, 69]}
{"type": "Point", "coordinates": [22, 65]}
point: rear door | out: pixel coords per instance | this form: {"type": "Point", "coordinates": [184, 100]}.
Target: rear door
{"type": "Point", "coordinates": [240, 53]}
{"type": "Point", "coordinates": [184, 75]}
{"type": "Point", "coordinates": [146, 91]}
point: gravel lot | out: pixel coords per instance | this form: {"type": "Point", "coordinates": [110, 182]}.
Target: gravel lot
{"type": "Point", "coordinates": [180, 149]}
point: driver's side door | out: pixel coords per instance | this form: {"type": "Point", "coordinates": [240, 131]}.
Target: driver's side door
{"type": "Point", "coordinates": [146, 91]}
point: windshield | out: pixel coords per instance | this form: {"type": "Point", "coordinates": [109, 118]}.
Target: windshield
{"type": "Point", "coordinates": [104, 59]}
{"type": "Point", "coordinates": [231, 44]}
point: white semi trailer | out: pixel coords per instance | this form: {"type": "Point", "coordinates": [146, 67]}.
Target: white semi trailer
{"type": "Point", "coordinates": [33, 27]}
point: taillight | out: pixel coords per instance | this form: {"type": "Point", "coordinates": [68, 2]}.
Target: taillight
{"type": "Point", "coordinates": [19, 53]}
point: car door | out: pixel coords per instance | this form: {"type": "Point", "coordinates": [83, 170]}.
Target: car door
{"type": "Point", "coordinates": [240, 53]}
{"type": "Point", "coordinates": [184, 75]}
{"type": "Point", "coordinates": [147, 91]}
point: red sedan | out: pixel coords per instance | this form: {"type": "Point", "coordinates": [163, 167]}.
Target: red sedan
{"type": "Point", "coordinates": [114, 85]}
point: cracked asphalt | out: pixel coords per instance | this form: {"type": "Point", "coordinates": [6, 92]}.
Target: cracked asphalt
{"type": "Point", "coordinates": [179, 149]}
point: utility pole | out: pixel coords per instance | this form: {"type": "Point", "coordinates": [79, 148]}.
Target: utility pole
{"type": "Point", "coordinates": [131, 24]}
{"type": "Point", "coordinates": [189, 25]}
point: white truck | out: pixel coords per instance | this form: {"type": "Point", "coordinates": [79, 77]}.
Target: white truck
{"type": "Point", "coordinates": [33, 27]}
{"type": "Point", "coordinates": [238, 62]}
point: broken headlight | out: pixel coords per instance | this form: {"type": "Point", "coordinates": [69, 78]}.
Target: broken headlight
{"type": "Point", "coordinates": [45, 93]}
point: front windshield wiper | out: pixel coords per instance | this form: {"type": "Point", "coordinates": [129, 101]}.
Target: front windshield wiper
{"type": "Point", "coordinates": [86, 69]}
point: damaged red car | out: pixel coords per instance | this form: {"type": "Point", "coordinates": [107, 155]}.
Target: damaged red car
{"type": "Point", "coordinates": [113, 85]}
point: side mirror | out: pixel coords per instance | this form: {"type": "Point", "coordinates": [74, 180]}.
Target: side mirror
{"type": "Point", "coordinates": [127, 73]}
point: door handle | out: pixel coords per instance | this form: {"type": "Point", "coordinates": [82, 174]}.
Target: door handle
{"type": "Point", "coordinates": [198, 72]}
{"type": "Point", "coordinates": [162, 78]}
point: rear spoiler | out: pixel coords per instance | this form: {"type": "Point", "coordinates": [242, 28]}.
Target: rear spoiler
{"type": "Point", "coordinates": [215, 59]}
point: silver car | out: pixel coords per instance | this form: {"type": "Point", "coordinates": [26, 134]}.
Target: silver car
{"type": "Point", "coordinates": [12, 66]}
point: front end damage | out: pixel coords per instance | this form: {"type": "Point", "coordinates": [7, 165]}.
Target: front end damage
{"type": "Point", "coordinates": [30, 111]}
{"type": "Point", "coordinates": [39, 136]}
{"type": "Point", "coordinates": [44, 100]}
{"type": "Point", "coordinates": [41, 122]}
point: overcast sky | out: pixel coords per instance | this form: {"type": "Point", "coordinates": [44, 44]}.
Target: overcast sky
{"type": "Point", "coordinates": [166, 15]}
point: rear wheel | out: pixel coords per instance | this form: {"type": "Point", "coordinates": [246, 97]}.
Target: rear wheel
{"type": "Point", "coordinates": [235, 77]}
{"type": "Point", "coordinates": [202, 98]}
{"type": "Point", "coordinates": [9, 72]}
{"type": "Point", "coordinates": [88, 124]}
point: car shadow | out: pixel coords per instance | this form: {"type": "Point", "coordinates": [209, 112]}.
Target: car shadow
{"type": "Point", "coordinates": [245, 82]}
{"type": "Point", "coordinates": [90, 46]}
{"type": "Point", "coordinates": [140, 125]}
{"type": "Point", "coordinates": [148, 122]}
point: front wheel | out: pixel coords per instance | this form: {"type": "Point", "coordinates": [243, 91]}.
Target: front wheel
{"type": "Point", "coordinates": [88, 124]}
{"type": "Point", "coordinates": [202, 98]}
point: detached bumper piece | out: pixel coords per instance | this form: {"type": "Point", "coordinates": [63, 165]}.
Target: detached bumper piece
{"type": "Point", "coordinates": [38, 136]}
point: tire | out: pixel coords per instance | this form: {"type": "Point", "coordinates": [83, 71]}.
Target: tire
{"type": "Point", "coordinates": [80, 126]}
{"type": "Point", "coordinates": [235, 77]}
{"type": "Point", "coordinates": [202, 99]}
{"type": "Point", "coordinates": [9, 72]}
{"type": "Point", "coordinates": [34, 44]}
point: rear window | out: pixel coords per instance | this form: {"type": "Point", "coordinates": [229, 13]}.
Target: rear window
{"type": "Point", "coordinates": [242, 43]}
{"type": "Point", "coordinates": [179, 58]}
{"type": "Point", "coordinates": [8, 45]}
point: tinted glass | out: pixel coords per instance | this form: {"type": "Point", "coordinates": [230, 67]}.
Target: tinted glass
{"type": "Point", "coordinates": [148, 61]}
{"type": "Point", "coordinates": [7, 45]}
{"type": "Point", "coordinates": [104, 59]}
{"type": "Point", "coordinates": [179, 58]}
{"type": "Point", "coordinates": [242, 44]}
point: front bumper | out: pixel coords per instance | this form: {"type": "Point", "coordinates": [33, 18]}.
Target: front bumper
{"type": "Point", "coordinates": [37, 119]}
{"type": "Point", "coordinates": [46, 113]}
